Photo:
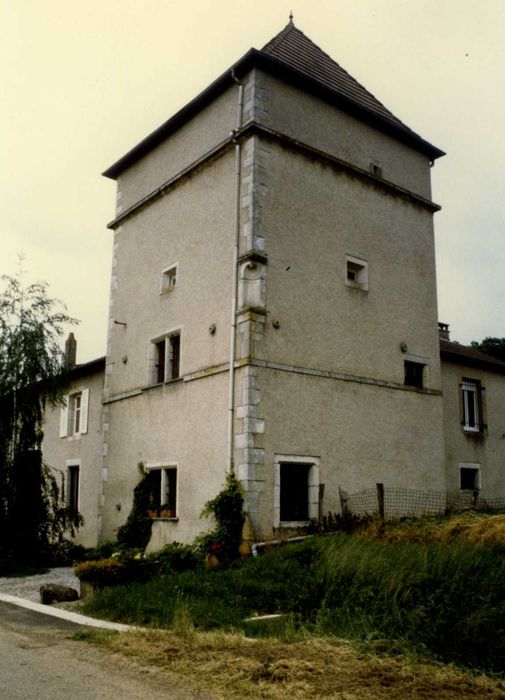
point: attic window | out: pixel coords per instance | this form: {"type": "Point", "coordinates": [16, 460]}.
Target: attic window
{"type": "Point", "coordinates": [168, 279]}
{"type": "Point", "coordinates": [375, 168]}
{"type": "Point", "coordinates": [356, 272]}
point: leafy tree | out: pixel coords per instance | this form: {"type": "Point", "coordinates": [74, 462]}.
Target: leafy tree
{"type": "Point", "coordinates": [32, 515]}
{"type": "Point", "coordinates": [491, 346]}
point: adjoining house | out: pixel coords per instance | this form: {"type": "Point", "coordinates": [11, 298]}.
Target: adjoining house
{"type": "Point", "coordinates": [72, 444]}
{"type": "Point", "coordinates": [273, 308]}
{"type": "Point", "coordinates": [473, 386]}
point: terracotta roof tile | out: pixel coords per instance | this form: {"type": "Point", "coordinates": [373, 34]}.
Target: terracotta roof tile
{"type": "Point", "coordinates": [294, 48]}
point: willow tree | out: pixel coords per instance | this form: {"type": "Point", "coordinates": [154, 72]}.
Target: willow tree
{"type": "Point", "coordinates": [32, 514]}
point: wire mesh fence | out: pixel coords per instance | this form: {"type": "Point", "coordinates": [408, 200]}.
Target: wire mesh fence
{"type": "Point", "coordinates": [389, 502]}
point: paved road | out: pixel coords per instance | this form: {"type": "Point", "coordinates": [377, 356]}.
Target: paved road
{"type": "Point", "coordinates": [39, 660]}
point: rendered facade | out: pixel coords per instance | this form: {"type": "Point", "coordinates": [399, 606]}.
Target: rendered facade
{"type": "Point", "coordinates": [280, 225]}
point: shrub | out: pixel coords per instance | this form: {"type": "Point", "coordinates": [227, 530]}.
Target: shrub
{"type": "Point", "coordinates": [175, 557]}
{"type": "Point", "coordinates": [104, 572]}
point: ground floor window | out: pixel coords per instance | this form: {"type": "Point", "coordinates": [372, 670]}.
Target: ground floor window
{"type": "Point", "coordinates": [163, 491]}
{"type": "Point", "coordinates": [296, 491]}
{"type": "Point", "coordinates": [469, 476]}
{"type": "Point", "coordinates": [72, 489]}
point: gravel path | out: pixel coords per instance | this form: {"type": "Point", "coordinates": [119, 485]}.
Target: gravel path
{"type": "Point", "coordinates": [28, 586]}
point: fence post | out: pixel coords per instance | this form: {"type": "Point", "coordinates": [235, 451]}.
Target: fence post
{"type": "Point", "coordinates": [343, 501]}
{"type": "Point", "coordinates": [380, 500]}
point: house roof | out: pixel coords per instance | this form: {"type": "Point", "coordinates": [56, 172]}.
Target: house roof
{"type": "Point", "coordinates": [294, 58]}
{"type": "Point", "coordinates": [466, 355]}
{"type": "Point", "coordinates": [87, 368]}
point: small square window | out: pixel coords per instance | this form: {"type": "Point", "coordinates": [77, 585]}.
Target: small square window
{"type": "Point", "coordinates": [168, 279]}
{"type": "Point", "coordinates": [414, 374]}
{"type": "Point", "coordinates": [356, 273]}
{"type": "Point", "coordinates": [469, 478]}
{"type": "Point", "coordinates": [375, 168]}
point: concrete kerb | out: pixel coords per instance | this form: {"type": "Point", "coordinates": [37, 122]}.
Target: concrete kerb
{"type": "Point", "coordinates": [67, 615]}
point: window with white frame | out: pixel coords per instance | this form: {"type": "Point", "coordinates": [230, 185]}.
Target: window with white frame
{"type": "Point", "coordinates": [356, 272]}
{"type": "Point", "coordinates": [72, 486]}
{"type": "Point", "coordinates": [469, 476]}
{"type": "Point", "coordinates": [471, 404]}
{"type": "Point", "coordinates": [168, 278]}
{"type": "Point", "coordinates": [162, 481]}
{"type": "Point", "coordinates": [296, 490]}
{"type": "Point", "coordinates": [165, 358]}
{"type": "Point", "coordinates": [74, 414]}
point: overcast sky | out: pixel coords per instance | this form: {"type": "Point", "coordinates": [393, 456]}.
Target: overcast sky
{"type": "Point", "coordinates": [83, 82]}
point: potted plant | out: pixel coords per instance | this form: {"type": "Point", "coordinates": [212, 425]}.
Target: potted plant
{"type": "Point", "coordinates": [166, 510]}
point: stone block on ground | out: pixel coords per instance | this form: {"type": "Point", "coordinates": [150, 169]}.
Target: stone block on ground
{"type": "Point", "coordinates": [56, 593]}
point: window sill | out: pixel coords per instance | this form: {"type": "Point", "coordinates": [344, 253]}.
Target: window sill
{"type": "Point", "coordinates": [473, 433]}
{"type": "Point", "coordinates": [294, 523]}
{"type": "Point", "coordinates": [356, 285]}
{"type": "Point", "coordinates": [168, 382]}
{"type": "Point", "coordinates": [173, 519]}
{"type": "Point", "coordinates": [167, 291]}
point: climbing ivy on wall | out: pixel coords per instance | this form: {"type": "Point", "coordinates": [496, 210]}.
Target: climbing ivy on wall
{"type": "Point", "coordinates": [228, 511]}
{"type": "Point", "coordinates": [136, 532]}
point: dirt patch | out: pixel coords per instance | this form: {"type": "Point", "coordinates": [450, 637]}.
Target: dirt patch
{"type": "Point", "coordinates": [233, 666]}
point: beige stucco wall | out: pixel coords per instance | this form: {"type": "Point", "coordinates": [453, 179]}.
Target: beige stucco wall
{"type": "Point", "coordinates": [361, 434]}
{"type": "Point", "coordinates": [192, 226]}
{"type": "Point", "coordinates": [183, 424]}
{"type": "Point", "coordinates": [311, 217]}
{"type": "Point", "coordinates": [204, 131]}
{"type": "Point", "coordinates": [487, 450]}
{"type": "Point", "coordinates": [310, 120]}
{"type": "Point", "coordinates": [87, 448]}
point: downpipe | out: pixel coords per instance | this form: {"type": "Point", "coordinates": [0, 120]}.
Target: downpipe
{"type": "Point", "coordinates": [233, 319]}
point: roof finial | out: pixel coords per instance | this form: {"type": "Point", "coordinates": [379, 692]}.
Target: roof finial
{"type": "Point", "coordinates": [291, 16]}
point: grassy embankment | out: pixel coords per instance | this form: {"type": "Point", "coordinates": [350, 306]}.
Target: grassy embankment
{"type": "Point", "coordinates": [444, 599]}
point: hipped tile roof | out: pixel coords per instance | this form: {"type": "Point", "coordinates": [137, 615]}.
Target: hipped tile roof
{"type": "Point", "coordinates": [293, 57]}
{"type": "Point", "coordinates": [291, 46]}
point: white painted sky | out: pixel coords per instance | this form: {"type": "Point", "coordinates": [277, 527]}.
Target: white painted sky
{"type": "Point", "coordinates": [83, 82]}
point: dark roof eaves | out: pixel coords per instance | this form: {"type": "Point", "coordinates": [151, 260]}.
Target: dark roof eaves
{"type": "Point", "coordinates": [254, 58]}
{"type": "Point", "coordinates": [91, 367]}
{"type": "Point", "coordinates": [212, 91]}
{"type": "Point", "coordinates": [333, 96]}
{"type": "Point", "coordinates": [463, 355]}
